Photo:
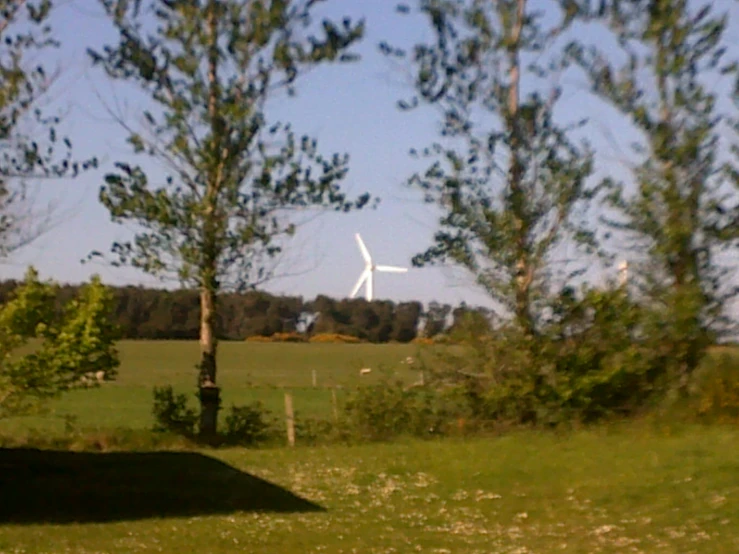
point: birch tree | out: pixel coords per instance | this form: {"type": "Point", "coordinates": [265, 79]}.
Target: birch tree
{"type": "Point", "coordinates": [209, 68]}
{"type": "Point", "coordinates": [505, 172]}
{"type": "Point", "coordinates": [683, 211]}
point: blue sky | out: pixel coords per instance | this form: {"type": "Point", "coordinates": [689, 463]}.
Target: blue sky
{"type": "Point", "coordinates": [348, 109]}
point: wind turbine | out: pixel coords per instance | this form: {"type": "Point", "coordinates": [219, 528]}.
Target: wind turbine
{"type": "Point", "coordinates": [368, 275]}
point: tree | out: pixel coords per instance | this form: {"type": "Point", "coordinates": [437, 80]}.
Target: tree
{"type": "Point", "coordinates": [504, 173]}
{"type": "Point", "coordinates": [209, 67]}
{"type": "Point", "coordinates": [327, 315]}
{"type": "Point", "coordinates": [75, 342]}
{"type": "Point", "coordinates": [30, 147]}
{"type": "Point", "coordinates": [435, 319]}
{"type": "Point", "coordinates": [405, 322]}
{"type": "Point", "coordinates": [684, 211]}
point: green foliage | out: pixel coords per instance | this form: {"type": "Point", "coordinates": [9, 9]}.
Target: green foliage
{"type": "Point", "coordinates": [160, 314]}
{"type": "Point", "coordinates": [505, 174]}
{"type": "Point", "coordinates": [172, 414]}
{"type": "Point", "coordinates": [26, 36]}
{"type": "Point", "coordinates": [316, 430]}
{"type": "Point", "coordinates": [683, 213]}
{"type": "Point", "coordinates": [390, 409]}
{"type": "Point", "coordinates": [593, 359]}
{"type": "Point", "coordinates": [717, 397]}
{"type": "Point", "coordinates": [603, 357]}
{"type": "Point", "coordinates": [72, 344]}
{"type": "Point", "coordinates": [236, 177]}
{"type": "Point", "coordinates": [250, 425]}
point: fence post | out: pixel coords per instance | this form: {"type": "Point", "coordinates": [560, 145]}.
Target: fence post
{"type": "Point", "coordinates": [334, 404]}
{"type": "Point", "coordinates": [290, 417]}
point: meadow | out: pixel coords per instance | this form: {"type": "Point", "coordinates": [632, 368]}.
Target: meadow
{"type": "Point", "coordinates": [638, 486]}
{"type": "Point", "coordinates": [247, 372]}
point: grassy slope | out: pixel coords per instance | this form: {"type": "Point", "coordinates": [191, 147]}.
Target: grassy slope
{"type": "Point", "coordinates": [633, 490]}
{"type": "Point", "coordinates": [247, 372]}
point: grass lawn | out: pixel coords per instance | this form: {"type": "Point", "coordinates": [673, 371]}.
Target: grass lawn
{"type": "Point", "coordinates": [632, 489]}
{"type": "Point", "coordinates": [247, 372]}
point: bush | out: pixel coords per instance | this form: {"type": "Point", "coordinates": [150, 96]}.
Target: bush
{"type": "Point", "coordinates": [250, 425]}
{"type": "Point", "coordinates": [172, 414]}
{"type": "Point", "coordinates": [718, 390]}
{"type": "Point", "coordinates": [424, 341]}
{"type": "Point", "coordinates": [65, 346]}
{"type": "Point", "coordinates": [334, 338]}
{"type": "Point", "coordinates": [589, 360]}
{"type": "Point", "coordinates": [288, 337]}
{"type": "Point", "coordinates": [312, 430]}
{"type": "Point", "coordinates": [389, 409]}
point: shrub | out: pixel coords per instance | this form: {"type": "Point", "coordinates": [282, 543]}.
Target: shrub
{"type": "Point", "coordinates": [288, 337]}
{"type": "Point", "coordinates": [389, 409]}
{"type": "Point", "coordinates": [312, 430]}
{"type": "Point", "coordinates": [70, 343]}
{"type": "Point", "coordinates": [589, 360]}
{"type": "Point", "coordinates": [250, 425]}
{"type": "Point", "coordinates": [334, 338]}
{"type": "Point", "coordinates": [425, 341]}
{"type": "Point", "coordinates": [718, 390]}
{"type": "Point", "coordinates": [258, 338]}
{"type": "Point", "coordinates": [172, 414]}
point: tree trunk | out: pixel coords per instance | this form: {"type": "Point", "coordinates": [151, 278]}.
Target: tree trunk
{"type": "Point", "coordinates": [518, 199]}
{"type": "Point", "coordinates": [209, 392]}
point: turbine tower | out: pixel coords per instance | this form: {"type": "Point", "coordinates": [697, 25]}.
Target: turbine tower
{"type": "Point", "coordinates": [368, 275]}
{"type": "Point", "coordinates": [623, 273]}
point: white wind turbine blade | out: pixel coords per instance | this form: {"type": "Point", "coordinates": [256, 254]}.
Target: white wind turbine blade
{"type": "Point", "coordinates": [362, 278]}
{"type": "Point", "coordinates": [391, 269]}
{"type": "Point", "coordinates": [363, 249]}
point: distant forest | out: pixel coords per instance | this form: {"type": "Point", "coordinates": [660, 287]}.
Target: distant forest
{"type": "Point", "coordinates": [145, 313]}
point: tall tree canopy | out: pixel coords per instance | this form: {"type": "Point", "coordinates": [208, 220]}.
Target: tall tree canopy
{"type": "Point", "coordinates": [210, 67]}
{"type": "Point", "coordinates": [683, 212]}
{"type": "Point", "coordinates": [30, 147]}
{"type": "Point", "coordinates": [504, 172]}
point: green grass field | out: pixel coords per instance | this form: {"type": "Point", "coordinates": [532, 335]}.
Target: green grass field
{"type": "Point", "coordinates": [247, 372]}
{"type": "Point", "coordinates": [617, 491]}
{"type": "Point", "coordinates": [637, 487]}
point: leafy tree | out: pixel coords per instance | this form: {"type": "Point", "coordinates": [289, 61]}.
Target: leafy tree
{"type": "Point", "coordinates": [328, 316]}
{"type": "Point", "coordinates": [435, 319]}
{"type": "Point", "coordinates": [29, 144]}
{"type": "Point", "coordinates": [209, 67]}
{"type": "Point", "coordinates": [405, 322]}
{"type": "Point", "coordinates": [75, 342]}
{"type": "Point", "coordinates": [684, 211]}
{"type": "Point", "coordinates": [479, 320]}
{"type": "Point", "coordinates": [504, 172]}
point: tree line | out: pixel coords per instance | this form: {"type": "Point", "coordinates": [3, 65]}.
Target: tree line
{"type": "Point", "coordinates": [159, 314]}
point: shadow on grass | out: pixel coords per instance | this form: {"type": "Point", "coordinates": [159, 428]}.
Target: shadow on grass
{"type": "Point", "coordinates": [44, 486]}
